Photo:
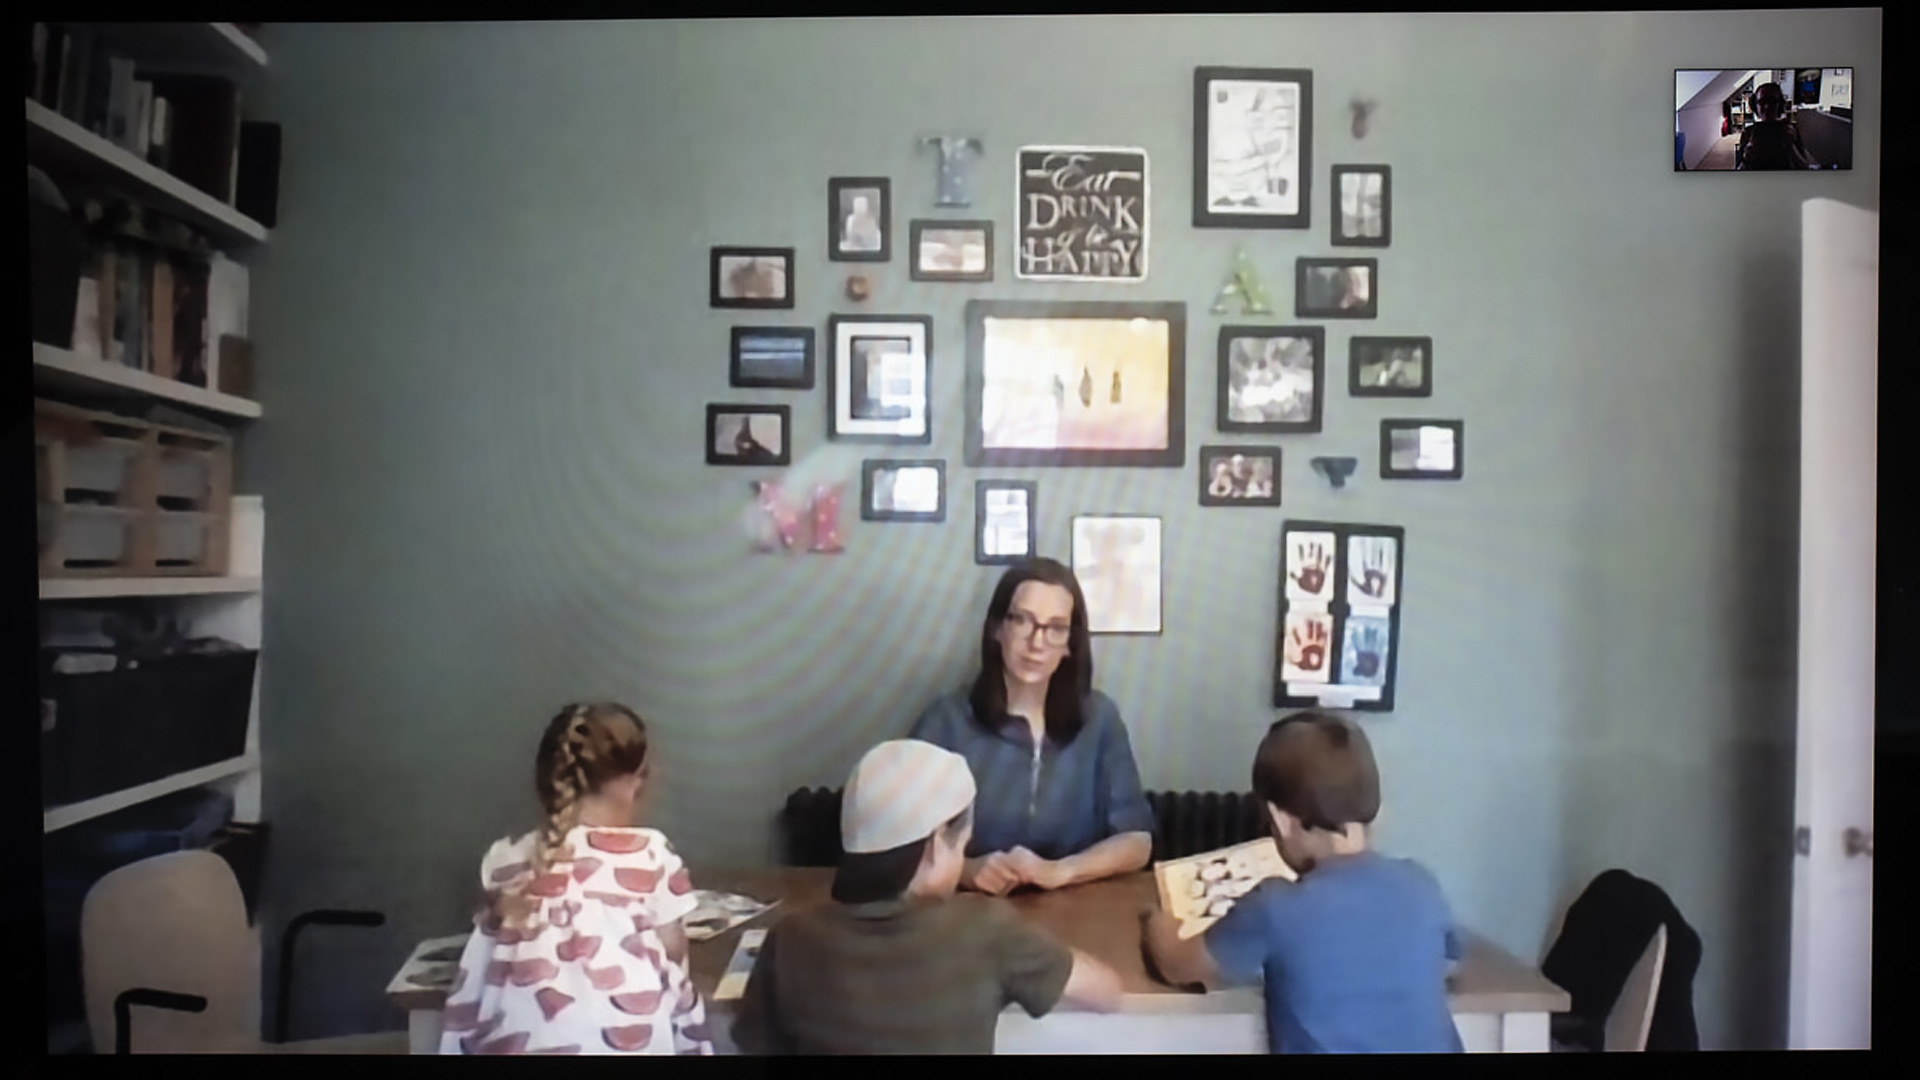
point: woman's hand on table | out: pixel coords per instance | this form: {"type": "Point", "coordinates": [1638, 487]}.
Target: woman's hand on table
{"type": "Point", "coordinates": [1043, 873]}
{"type": "Point", "coordinates": [995, 874]}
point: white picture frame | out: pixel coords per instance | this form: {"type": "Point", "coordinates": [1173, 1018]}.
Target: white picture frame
{"type": "Point", "coordinates": [881, 368]}
{"type": "Point", "coordinates": [1118, 560]}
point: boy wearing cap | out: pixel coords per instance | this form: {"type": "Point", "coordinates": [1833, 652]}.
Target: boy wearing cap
{"type": "Point", "coordinates": [1354, 956]}
{"type": "Point", "coordinates": [899, 964]}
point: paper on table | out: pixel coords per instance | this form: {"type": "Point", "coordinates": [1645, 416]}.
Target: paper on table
{"type": "Point", "coordinates": [1199, 889]}
{"type": "Point", "coordinates": [733, 982]}
{"type": "Point", "coordinates": [720, 912]}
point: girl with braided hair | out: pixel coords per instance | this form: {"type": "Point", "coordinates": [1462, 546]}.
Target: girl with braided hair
{"type": "Point", "coordinates": [581, 946]}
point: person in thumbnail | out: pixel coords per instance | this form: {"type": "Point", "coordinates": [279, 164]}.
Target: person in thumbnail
{"type": "Point", "coordinates": [1772, 141]}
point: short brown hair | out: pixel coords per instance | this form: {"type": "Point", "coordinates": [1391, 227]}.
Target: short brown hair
{"type": "Point", "coordinates": [1320, 769]}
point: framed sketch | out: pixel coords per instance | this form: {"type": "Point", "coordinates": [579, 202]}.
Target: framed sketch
{"type": "Point", "coordinates": [1336, 288]}
{"type": "Point", "coordinates": [748, 277]}
{"type": "Point", "coordinates": [771, 357]}
{"type": "Point", "coordinates": [1078, 383]}
{"type": "Point", "coordinates": [1239, 476]}
{"type": "Point", "coordinates": [749, 435]}
{"type": "Point", "coordinates": [1423, 449]}
{"type": "Point", "coordinates": [1362, 206]}
{"type": "Point", "coordinates": [1117, 559]}
{"type": "Point", "coordinates": [1005, 522]}
{"type": "Point", "coordinates": [903, 491]}
{"type": "Point", "coordinates": [1340, 600]}
{"type": "Point", "coordinates": [1252, 148]}
{"type": "Point", "coordinates": [1390, 367]}
{"type": "Point", "coordinates": [859, 219]}
{"type": "Point", "coordinates": [1200, 889]}
{"type": "Point", "coordinates": [1272, 378]}
{"type": "Point", "coordinates": [950, 250]}
{"type": "Point", "coordinates": [1081, 214]}
{"type": "Point", "coordinates": [877, 391]}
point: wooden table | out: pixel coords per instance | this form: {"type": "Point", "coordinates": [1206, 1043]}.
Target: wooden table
{"type": "Point", "coordinates": [1500, 1003]}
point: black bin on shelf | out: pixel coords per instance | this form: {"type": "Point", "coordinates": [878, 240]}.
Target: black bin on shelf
{"type": "Point", "coordinates": [56, 255]}
{"type": "Point", "coordinates": [112, 721]}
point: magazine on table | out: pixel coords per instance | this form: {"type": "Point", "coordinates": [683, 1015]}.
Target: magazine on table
{"type": "Point", "coordinates": [720, 912]}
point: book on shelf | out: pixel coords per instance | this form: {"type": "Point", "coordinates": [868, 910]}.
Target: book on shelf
{"type": "Point", "coordinates": [148, 309]}
{"type": "Point", "coordinates": [1199, 889]}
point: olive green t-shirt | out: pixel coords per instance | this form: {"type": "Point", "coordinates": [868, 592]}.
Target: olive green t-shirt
{"type": "Point", "coordinates": [897, 977]}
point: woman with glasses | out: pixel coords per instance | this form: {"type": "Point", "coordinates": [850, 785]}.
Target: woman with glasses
{"type": "Point", "coordinates": [1059, 797]}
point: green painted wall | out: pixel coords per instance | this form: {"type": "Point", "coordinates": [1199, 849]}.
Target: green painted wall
{"type": "Point", "coordinates": [485, 347]}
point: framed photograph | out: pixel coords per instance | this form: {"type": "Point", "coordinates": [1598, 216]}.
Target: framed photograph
{"type": "Point", "coordinates": [1239, 476]}
{"type": "Point", "coordinates": [1423, 449]}
{"type": "Point", "coordinates": [1336, 288]}
{"type": "Point", "coordinates": [903, 491]}
{"type": "Point", "coordinates": [950, 250]}
{"type": "Point", "coordinates": [1362, 206]}
{"type": "Point", "coordinates": [877, 391]}
{"type": "Point", "coordinates": [749, 435]}
{"type": "Point", "coordinates": [747, 277]}
{"type": "Point", "coordinates": [1117, 559]}
{"type": "Point", "coordinates": [1271, 378]}
{"type": "Point", "coordinates": [1005, 522]}
{"type": "Point", "coordinates": [1340, 601]}
{"type": "Point", "coordinates": [859, 219]}
{"type": "Point", "coordinates": [772, 357]}
{"type": "Point", "coordinates": [1081, 214]}
{"type": "Point", "coordinates": [1252, 148]}
{"type": "Point", "coordinates": [1390, 367]}
{"type": "Point", "coordinates": [1081, 383]}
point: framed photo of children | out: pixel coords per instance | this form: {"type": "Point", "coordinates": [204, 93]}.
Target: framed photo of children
{"type": "Point", "coordinates": [1336, 289]}
{"type": "Point", "coordinates": [1272, 378]}
{"type": "Point", "coordinates": [1005, 525]}
{"type": "Point", "coordinates": [1390, 367]}
{"type": "Point", "coordinates": [1239, 476]}
{"type": "Point", "coordinates": [1252, 148]}
{"type": "Point", "coordinates": [950, 250]}
{"type": "Point", "coordinates": [1362, 206]}
{"type": "Point", "coordinates": [878, 388]}
{"type": "Point", "coordinates": [859, 219]}
{"type": "Point", "coordinates": [751, 277]}
{"type": "Point", "coordinates": [1340, 593]}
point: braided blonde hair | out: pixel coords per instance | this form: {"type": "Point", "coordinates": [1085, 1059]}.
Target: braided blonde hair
{"type": "Point", "coordinates": [584, 747]}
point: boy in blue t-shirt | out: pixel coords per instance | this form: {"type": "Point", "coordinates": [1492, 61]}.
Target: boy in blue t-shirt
{"type": "Point", "coordinates": [1354, 956]}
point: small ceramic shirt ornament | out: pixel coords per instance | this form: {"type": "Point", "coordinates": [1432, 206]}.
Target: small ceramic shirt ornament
{"type": "Point", "coordinates": [956, 168]}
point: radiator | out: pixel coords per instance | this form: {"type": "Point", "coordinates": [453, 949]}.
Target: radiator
{"type": "Point", "coordinates": [1185, 823]}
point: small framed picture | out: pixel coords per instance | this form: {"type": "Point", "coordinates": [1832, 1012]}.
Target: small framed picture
{"type": "Point", "coordinates": [1271, 378]}
{"type": "Point", "coordinates": [1005, 528]}
{"type": "Point", "coordinates": [1422, 449]}
{"type": "Point", "coordinates": [1239, 476]}
{"type": "Point", "coordinates": [1307, 572]}
{"type": "Point", "coordinates": [1252, 148]}
{"type": "Point", "coordinates": [1340, 599]}
{"type": "Point", "coordinates": [749, 435]}
{"type": "Point", "coordinates": [1373, 568]}
{"type": "Point", "coordinates": [903, 491]}
{"type": "Point", "coordinates": [881, 368]}
{"type": "Point", "coordinates": [859, 219]}
{"type": "Point", "coordinates": [1362, 206]}
{"type": "Point", "coordinates": [1306, 646]}
{"type": "Point", "coordinates": [1366, 651]}
{"type": "Point", "coordinates": [772, 357]}
{"type": "Point", "coordinates": [951, 250]}
{"type": "Point", "coordinates": [1117, 559]}
{"type": "Point", "coordinates": [749, 277]}
{"type": "Point", "coordinates": [1390, 367]}
{"type": "Point", "coordinates": [1336, 288]}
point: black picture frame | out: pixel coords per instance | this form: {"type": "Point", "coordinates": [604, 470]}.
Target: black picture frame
{"type": "Point", "coordinates": [1338, 612]}
{"type": "Point", "coordinates": [981, 489]}
{"type": "Point", "coordinates": [1336, 196]}
{"type": "Point", "coordinates": [916, 236]}
{"type": "Point", "coordinates": [717, 283]}
{"type": "Point", "coordinates": [1174, 314]}
{"type": "Point", "coordinates": [836, 218]}
{"type": "Point", "coordinates": [1209, 495]}
{"type": "Point", "coordinates": [1207, 215]}
{"type": "Point", "coordinates": [775, 459]}
{"type": "Point", "coordinates": [1388, 471]}
{"type": "Point", "coordinates": [869, 471]}
{"type": "Point", "coordinates": [1224, 379]}
{"type": "Point", "coordinates": [1305, 308]}
{"type": "Point", "coordinates": [1357, 357]}
{"type": "Point", "coordinates": [918, 331]}
{"type": "Point", "coordinates": [739, 377]}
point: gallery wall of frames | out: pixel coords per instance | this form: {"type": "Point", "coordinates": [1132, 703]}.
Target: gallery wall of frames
{"type": "Point", "coordinates": [1101, 383]}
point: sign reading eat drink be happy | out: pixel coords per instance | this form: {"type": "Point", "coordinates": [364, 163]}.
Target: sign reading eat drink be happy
{"type": "Point", "coordinates": [1082, 214]}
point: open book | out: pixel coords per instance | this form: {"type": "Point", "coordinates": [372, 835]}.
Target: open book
{"type": "Point", "coordinates": [720, 912]}
{"type": "Point", "coordinates": [1199, 889]}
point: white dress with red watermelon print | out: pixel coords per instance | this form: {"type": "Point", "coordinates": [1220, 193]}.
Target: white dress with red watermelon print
{"type": "Point", "coordinates": [589, 974]}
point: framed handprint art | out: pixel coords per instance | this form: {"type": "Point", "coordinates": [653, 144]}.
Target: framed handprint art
{"type": "Point", "coordinates": [1340, 588]}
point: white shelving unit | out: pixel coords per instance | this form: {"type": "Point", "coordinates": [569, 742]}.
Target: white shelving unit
{"type": "Point", "coordinates": [188, 46]}
{"type": "Point", "coordinates": [74, 813]}
{"type": "Point", "coordinates": [58, 370]}
{"type": "Point", "coordinates": [110, 588]}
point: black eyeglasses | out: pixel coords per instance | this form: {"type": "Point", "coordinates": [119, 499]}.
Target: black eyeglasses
{"type": "Point", "coordinates": [1055, 634]}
